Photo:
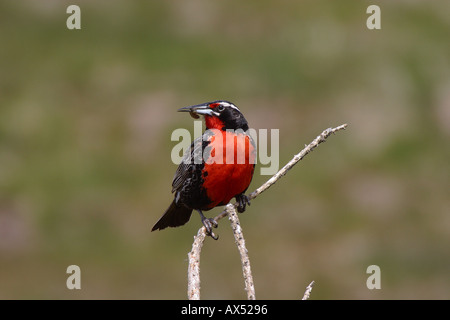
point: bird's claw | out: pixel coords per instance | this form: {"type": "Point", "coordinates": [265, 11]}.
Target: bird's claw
{"type": "Point", "coordinates": [242, 201]}
{"type": "Point", "coordinates": [210, 223]}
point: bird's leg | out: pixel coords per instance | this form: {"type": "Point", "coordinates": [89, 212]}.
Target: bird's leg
{"type": "Point", "coordinates": [242, 201]}
{"type": "Point", "coordinates": [209, 223]}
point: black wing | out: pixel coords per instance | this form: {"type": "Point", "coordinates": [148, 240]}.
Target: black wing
{"type": "Point", "coordinates": [191, 163]}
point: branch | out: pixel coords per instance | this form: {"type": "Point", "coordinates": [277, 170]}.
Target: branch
{"type": "Point", "coordinates": [194, 255]}
{"type": "Point", "coordinates": [194, 265]}
{"type": "Point", "coordinates": [308, 291]}
{"type": "Point", "coordinates": [240, 243]}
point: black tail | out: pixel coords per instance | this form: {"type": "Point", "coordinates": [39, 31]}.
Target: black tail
{"type": "Point", "coordinates": [174, 216]}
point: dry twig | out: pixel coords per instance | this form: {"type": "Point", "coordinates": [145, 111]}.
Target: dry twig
{"type": "Point", "coordinates": [194, 255]}
{"type": "Point", "coordinates": [240, 243]}
{"type": "Point", "coordinates": [194, 265]}
{"type": "Point", "coordinates": [308, 291]}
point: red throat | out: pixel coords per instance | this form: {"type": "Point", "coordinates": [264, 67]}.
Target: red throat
{"type": "Point", "coordinates": [213, 122]}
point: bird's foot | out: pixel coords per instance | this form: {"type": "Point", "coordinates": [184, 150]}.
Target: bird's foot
{"type": "Point", "coordinates": [242, 201]}
{"type": "Point", "coordinates": [209, 223]}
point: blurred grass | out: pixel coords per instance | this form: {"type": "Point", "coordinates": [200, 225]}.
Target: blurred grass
{"type": "Point", "coordinates": [85, 124]}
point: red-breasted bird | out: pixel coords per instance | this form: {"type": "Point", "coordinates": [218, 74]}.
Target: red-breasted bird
{"type": "Point", "coordinates": [207, 177]}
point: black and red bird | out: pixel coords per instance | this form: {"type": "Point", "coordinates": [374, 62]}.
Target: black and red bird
{"type": "Point", "coordinates": [208, 175]}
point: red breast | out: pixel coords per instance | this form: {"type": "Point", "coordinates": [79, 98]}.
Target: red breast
{"type": "Point", "coordinates": [232, 169]}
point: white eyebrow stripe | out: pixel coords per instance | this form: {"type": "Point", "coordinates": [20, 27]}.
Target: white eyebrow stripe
{"type": "Point", "coordinates": [227, 104]}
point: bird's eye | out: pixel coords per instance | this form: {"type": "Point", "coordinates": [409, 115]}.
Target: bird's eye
{"type": "Point", "coordinates": [220, 108]}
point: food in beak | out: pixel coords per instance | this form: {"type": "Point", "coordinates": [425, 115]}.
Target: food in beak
{"type": "Point", "coordinates": [194, 115]}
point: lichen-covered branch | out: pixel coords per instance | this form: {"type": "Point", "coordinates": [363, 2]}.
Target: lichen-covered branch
{"type": "Point", "coordinates": [194, 255]}
{"type": "Point", "coordinates": [308, 291]}
{"type": "Point", "coordinates": [194, 266]}
{"type": "Point", "coordinates": [240, 243]}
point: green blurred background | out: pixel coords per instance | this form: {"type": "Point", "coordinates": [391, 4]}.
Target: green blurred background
{"type": "Point", "coordinates": [86, 118]}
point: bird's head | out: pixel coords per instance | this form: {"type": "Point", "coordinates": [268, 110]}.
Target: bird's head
{"type": "Point", "coordinates": [218, 114]}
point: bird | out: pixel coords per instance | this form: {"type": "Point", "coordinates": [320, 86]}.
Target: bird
{"type": "Point", "coordinates": [208, 176]}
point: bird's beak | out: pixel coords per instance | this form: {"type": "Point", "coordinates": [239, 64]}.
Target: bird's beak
{"type": "Point", "coordinates": [202, 109]}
